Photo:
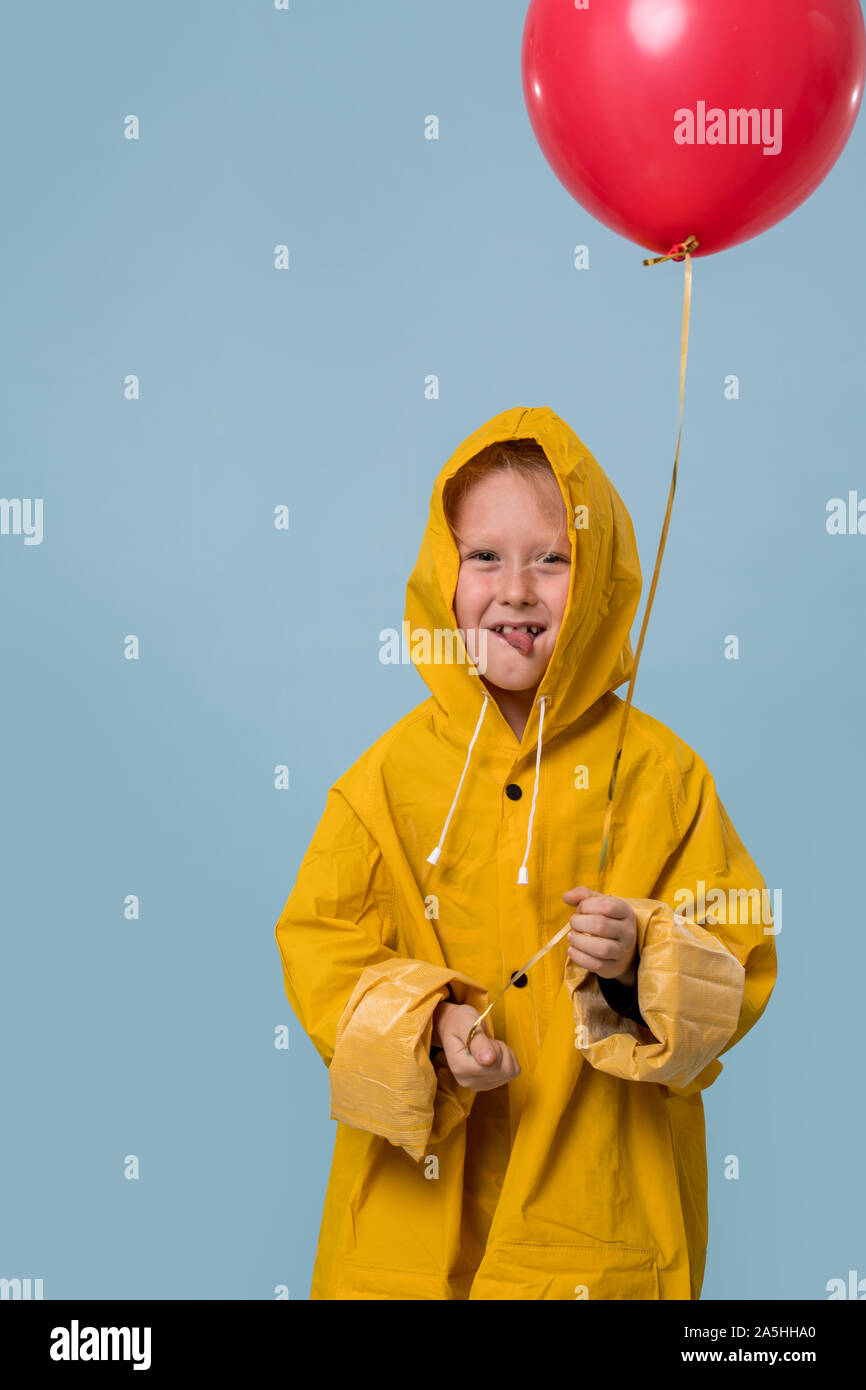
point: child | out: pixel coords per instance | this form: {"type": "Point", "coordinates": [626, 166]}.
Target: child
{"type": "Point", "coordinates": [563, 1156]}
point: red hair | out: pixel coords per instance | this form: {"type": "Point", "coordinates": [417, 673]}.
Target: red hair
{"type": "Point", "coordinates": [524, 456]}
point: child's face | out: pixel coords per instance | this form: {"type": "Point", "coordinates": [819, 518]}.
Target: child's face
{"type": "Point", "coordinates": [515, 565]}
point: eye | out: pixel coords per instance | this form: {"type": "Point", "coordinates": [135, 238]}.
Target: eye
{"type": "Point", "coordinates": [491, 555]}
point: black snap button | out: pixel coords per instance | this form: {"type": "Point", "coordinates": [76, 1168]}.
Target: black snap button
{"type": "Point", "coordinates": [518, 980]}
{"type": "Point", "coordinates": [513, 791]}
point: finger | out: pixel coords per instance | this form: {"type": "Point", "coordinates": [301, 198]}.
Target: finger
{"type": "Point", "coordinates": [606, 905]}
{"type": "Point", "coordinates": [597, 926]}
{"type": "Point", "coordinates": [486, 1078]}
{"type": "Point", "coordinates": [482, 1049]}
{"type": "Point", "coordinates": [511, 1060]}
{"type": "Point", "coordinates": [577, 895]}
{"type": "Point", "coordinates": [580, 955]}
{"type": "Point", "coordinates": [603, 948]}
{"type": "Point", "coordinates": [590, 961]}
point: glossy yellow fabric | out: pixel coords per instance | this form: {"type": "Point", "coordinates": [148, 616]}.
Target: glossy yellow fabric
{"type": "Point", "coordinates": [586, 1176]}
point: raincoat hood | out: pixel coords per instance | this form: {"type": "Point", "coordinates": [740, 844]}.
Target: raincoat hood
{"type": "Point", "coordinates": [593, 652]}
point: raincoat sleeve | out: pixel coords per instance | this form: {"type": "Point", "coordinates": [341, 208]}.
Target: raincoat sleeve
{"type": "Point", "coordinates": [367, 1009]}
{"type": "Point", "coordinates": [704, 975]}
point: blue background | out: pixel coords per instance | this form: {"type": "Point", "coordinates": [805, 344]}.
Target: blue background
{"type": "Point", "coordinates": [260, 647]}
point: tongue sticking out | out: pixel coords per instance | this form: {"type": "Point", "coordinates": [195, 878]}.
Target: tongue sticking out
{"type": "Point", "coordinates": [522, 641]}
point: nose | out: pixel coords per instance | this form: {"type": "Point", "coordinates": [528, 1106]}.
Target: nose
{"type": "Point", "coordinates": [516, 586]}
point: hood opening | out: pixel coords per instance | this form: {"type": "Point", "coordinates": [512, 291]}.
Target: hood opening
{"type": "Point", "coordinates": [592, 654]}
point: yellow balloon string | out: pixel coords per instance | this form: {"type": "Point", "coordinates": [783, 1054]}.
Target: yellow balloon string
{"type": "Point", "coordinates": [680, 251]}
{"type": "Point", "coordinates": [676, 252]}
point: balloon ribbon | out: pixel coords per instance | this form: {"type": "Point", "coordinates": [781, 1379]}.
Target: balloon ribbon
{"type": "Point", "coordinates": [681, 250]}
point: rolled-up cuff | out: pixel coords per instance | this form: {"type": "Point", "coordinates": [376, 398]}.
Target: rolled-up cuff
{"type": "Point", "coordinates": [690, 993]}
{"type": "Point", "coordinates": [382, 1078]}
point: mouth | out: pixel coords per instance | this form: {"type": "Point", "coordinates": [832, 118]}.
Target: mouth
{"type": "Point", "coordinates": [519, 636]}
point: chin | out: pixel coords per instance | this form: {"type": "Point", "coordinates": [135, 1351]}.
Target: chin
{"type": "Point", "coordinates": [505, 680]}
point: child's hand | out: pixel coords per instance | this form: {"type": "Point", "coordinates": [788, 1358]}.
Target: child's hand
{"type": "Point", "coordinates": [603, 937]}
{"type": "Point", "coordinates": [489, 1064]}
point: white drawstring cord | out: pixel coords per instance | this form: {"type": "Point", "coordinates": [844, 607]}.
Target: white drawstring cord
{"type": "Point", "coordinates": [523, 876]}
{"type": "Point", "coordinates": [433, 856]}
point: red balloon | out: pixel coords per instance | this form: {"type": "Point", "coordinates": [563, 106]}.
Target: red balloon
{"type": "Point", "coordinates": [712, 118]}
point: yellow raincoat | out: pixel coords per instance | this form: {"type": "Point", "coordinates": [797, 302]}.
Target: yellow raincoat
{"type": "Point", "coordinates": [586, 1176]}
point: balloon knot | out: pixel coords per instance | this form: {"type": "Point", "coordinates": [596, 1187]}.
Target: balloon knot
{"type": "Point", "coordinates": [678, 251]}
